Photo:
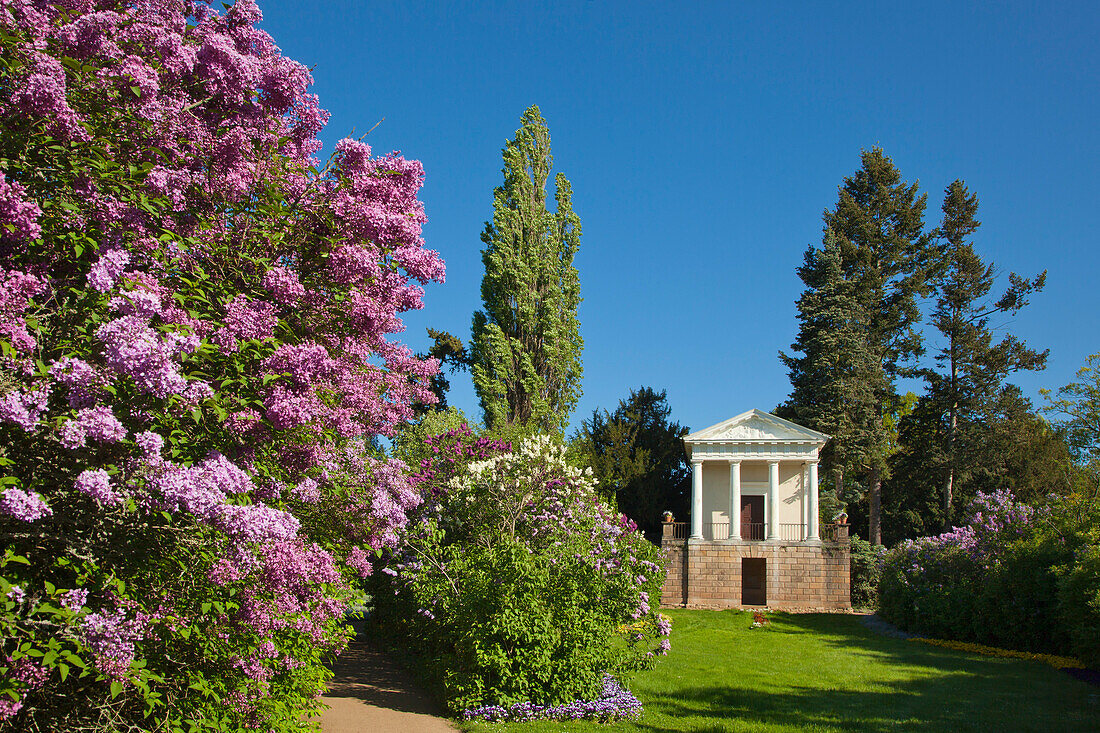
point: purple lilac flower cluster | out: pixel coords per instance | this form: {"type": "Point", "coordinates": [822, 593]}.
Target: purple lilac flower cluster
{"type": "Point", "coordinates": [97, 423]}
{"type": "Point", "coordinates": [96, 483]}
{"type": "Point", "coordinates": [995, 519]}
{"type": "Point", "coordinates": [17, 290]}
{"type": "Point", "coordinates": [26, 506]}
{"type": "Point", "coordinates": [24, 407]}
{"type": "Point", "coordinates": [614, 703]}
{"type": "Point", "coordinates": [112, 637]}
{"type": "Point", "coordinates": [246, 319]}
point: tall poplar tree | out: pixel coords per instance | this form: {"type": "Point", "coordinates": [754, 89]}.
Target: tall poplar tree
{"type": "Point", "coordinates": [973, 366]}
{"type": "Point", "coordinates": [525, 353]}
{"type": "Point", "coordinates": [878, 222]}
{"type": "Point", "coordinates": [836, 379]}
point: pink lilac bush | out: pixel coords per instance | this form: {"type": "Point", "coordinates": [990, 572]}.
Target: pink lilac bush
{"type": "Point", "coordinates": [198, 345]}
{"type": "Point", "coordinates": [994, 580]}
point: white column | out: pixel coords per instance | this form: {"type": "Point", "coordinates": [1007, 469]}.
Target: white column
{"type": "Point", "coordinates": [811, 527]}
{"type": "Point", "coordinates": [773, 500]}
{"type": "Point", "coordinates": [697, 498]}
{"type": "Point", "coordinates": [735, 500]}
{"type": "Point", "coordinates": [805, 503]}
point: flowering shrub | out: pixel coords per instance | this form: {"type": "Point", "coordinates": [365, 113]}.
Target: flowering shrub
{"type": "Point", "coordinates": [1013, 577]}
{"type": "Point", "coordinates": [195, 356]}
{"type": "Point", "coordinates": [519, 586]}
{"type": "Point", "coordinates": [614, 703]}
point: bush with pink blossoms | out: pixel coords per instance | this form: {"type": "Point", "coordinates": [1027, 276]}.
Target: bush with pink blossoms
{"type": "Point", "coordinates": [519, 584]}
{"type": "Point", "coordinates": [198, 347]}
{"type": "Point", "coordinates": [1013, 577]}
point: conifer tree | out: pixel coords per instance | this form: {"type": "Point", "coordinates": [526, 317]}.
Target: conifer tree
{"type": "Point", "coordinates": [525, 354]}
{"type": "Point", "coordinates": [637, 456]}
{"type": "Point", "coordinates": [974, 367]}
{"type": "Point", "coordinates": [836, 379]}
{"type": "Point", "coordinates": [878, 223]}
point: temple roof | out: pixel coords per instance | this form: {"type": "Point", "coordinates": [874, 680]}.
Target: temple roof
{"type": "Point", "coordinates": [756, 426]}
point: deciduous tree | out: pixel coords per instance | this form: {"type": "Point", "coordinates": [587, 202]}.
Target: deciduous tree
{"type": "Point", "coordinates": [525, 352]}
{"type": "Point", "coordinates": [1078, 404]}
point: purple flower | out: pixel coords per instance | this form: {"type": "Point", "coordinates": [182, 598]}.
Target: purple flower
{"type": "Point", "coordinates": [307, 490]}
{"type": "Point", "coordinates": [111, 637]}
{"type": "Point", "coordinates": [24, 408]}
{"type": "Point", "coordinates": [18, 217]}
{"type": "Point", "coordinates": [85, 383]}
{"type": "Point", "coordinates": [96, 483]}
{"type": "Point", "coordinates": [664, 626]}
{"type": "Point", "coordinates": [134, 349]}
{"type": "Point", "coordinates": [284, 285]}
{"type": "Point", "coordinates": [75, 599]}
{"type": "Point", "coordinates": [97, 423]}
{"type": "Point", "coordinates": [9, 707]}
{"type": "Point", "coordinates": [614, 703]}
{"type": "Point", "coordinates": [360, 562]}
{"type": "Point", "coordinates": [107, 269]}
{"type": "Point", "coordinates": [151, 444]}
{"type": "Point", "coordinates": [24, 505]}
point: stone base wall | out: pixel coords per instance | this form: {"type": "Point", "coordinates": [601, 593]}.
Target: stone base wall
{"type": "Point", "coordinates": [799, 576]}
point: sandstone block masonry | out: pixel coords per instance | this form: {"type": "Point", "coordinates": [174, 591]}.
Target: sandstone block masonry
{"type": "Point", "coordinates": [797, 576]}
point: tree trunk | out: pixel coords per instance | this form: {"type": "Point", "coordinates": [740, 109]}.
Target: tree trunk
{"type": "Point", "coordinates": [875, 513]}
{"type": "Point", "coordinates": [948, 484]}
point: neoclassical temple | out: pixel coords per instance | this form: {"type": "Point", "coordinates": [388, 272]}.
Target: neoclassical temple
{"type": "Point", "coordinates": [754, 537]}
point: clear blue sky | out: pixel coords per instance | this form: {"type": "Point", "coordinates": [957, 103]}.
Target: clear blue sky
{"type": "Point", "coordinates": [703, 142]}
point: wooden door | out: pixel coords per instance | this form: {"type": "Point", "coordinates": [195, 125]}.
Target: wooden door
{"type": "Point", "coordinates": [754, 591]}
{"type": "Point", "coordinates": [752, 517]}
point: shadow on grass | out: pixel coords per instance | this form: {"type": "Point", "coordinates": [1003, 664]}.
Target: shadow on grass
{"type": "Point", "coordinates": [365, 672]}
{"type": "Point", "coordinates": [925, 689]}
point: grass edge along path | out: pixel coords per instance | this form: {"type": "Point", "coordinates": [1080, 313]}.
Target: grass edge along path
{"type": "Point", "coordinates": [828, 672]}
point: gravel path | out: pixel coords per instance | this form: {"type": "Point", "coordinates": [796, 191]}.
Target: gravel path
{"type": "Point", "coordinates": [372, 694]}
{"type": "Point", "coordinates": [876, 624]}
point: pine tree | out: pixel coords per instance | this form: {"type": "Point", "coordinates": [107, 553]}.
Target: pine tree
{"type": "Point", "coordinates": [878, 222]}
{"type": "Point", "coordinates": [836, 380]}
{"type": "Point", "coordinates": [525, 354]}
{"type": "Point", "coordinates": [974, 368]}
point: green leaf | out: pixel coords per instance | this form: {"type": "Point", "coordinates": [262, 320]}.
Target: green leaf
{"type": "Point", "coordinates": [116, 688]}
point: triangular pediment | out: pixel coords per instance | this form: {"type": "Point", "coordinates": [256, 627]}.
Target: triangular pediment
{"type": "Point", "coordinates": [756, 426]}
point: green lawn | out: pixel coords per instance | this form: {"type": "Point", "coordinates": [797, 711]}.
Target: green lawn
{"type": "Point", "coordinates": [826, 672]}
